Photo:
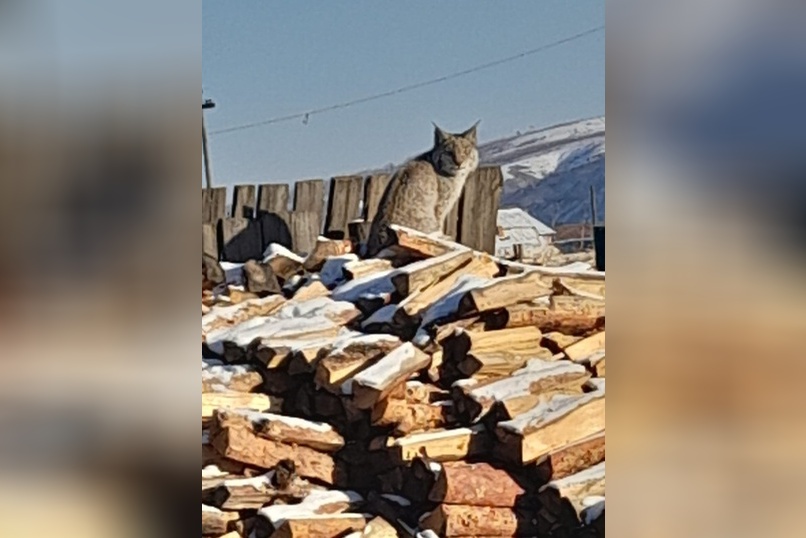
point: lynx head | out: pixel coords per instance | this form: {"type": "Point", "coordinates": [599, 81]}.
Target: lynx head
{"type": "Point", "coordinates": [455, 153]}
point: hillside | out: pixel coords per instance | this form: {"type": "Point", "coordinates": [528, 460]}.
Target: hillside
{"type": "Point", "coordinates": [549, 171]}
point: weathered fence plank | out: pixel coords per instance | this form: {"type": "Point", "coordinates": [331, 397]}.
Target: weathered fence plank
{"type": "Point", "coordinates": [373, 192]}
{"type": "Point", "coordinates": [309, 195]}
{"type": "Point", "coordinates": [273, 198]}
{"type": "Point", "coordinates": [275, 228]}
{"type": "Point", "coordinates": [243, 201]}
{"type": "Point", "coordinates": [214, 203]}
{"type": "Point", "coordinates": [479, 209]}
{"type": "Point", "coordinates": [451, 225]}
{"type": "Point", "coordinates": [343, 204]}
{"type": "Point", "coordinates": [209, 240]}
{"type": "Point", "coordinates": [305, 227]}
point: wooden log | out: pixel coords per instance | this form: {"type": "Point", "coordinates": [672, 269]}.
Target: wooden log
{"type": "Point", "coordinates": [408, 417]}
{"type": "Point", "coordinates": [576, 487]}
{"type": "Point", "coordinates": [597, 364]}
{"type": "Point", "coordinates": [376, 382]}
{"type": "Point", "coordinates": [254, 493]}
{"type": "Point", "coordinates": [449, 520]}
{"type": "Point", "coordinates": [556, 341]}
{"type": "Point", "coordinates": [350, 358]}
{"type": "Point", "coordinates": [260, 278]}
{"type": "Point", "coordinates": [318, 502]}
{"type": "Point", "coordinates": [361, 268]}
{"type": "Point", "coordinates": [561, 421]}
{"type": "Point", "coordinates": [320, 526]}
{"type": "Point", "coordinates": [282, 261]}
{"type": "Point", "coordinates": [571, 458]}
{"type": "Point", "coordinates": [586, 347]}
{"type": "Point", "coordinates": [233, 436]}
{"type": "Point", "coordinates": [237, 294]}
{"type": "Point", "coordinates": [324, 249]}
{"type": "Point", "coordinates": [378, 527]}
{"type": "Point", "coordinates": [474, 484]}
{"type": "Point", "coordinates": [233, 378]}
{"type": "Point", "coordinates": [520, 392]}
{"type": "Point", "coordinates": [298, 353]}
{"type": "Point", "coordinates": [569, 315]}
{"type": "Point", "coordinates": [478, 352]}
{"type": "Point", "coordinates": [441, 445]}
{"type": "Point", "coordinates": [238, 400]}
{"type": "Point", "coordinates": [423, 244]}
{"type": "Point", "coordinates": [504, 292]}
{"type": "Point", "coordinates": [311, 290]}
{"type": "Point", "coordinates": [426, 273]}
{"type": "Point", "coordinates": [216, 522]}
{"type": "Point", "coordinates": [221, 317]}
{"type": "Point", "coordinates": [290, 430]}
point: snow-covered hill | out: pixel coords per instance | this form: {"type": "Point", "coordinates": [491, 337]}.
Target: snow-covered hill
{"type": "Point", "coordinates": [548, 172]}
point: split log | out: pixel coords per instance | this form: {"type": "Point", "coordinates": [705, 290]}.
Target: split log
{"type": "Point", "coordinates": [520, 392]}
{"type": "Point", "coordinates": [324, 249]}
{"type": "Point", "coordinates": [550, 425]}
{"type": "Point", "coordinates": [503, 292]}
{"type": "Point", "coordinates": [491, 353]}
{"type": "Point", "coordinates": [408, 417]}
{"type": "Point", "coordinates": [475, 484]}
{"type": "Point", "coordinates": [233, 436]}
{"type": "Point", "coordinates": [378, 527]}
{"type": "Point", "coordinates": [297, 431]}
{"type": "Point", "coordinates": [260, 278]}
{"type": "Point", "coordinates": [284, 263]}
{"type": "Point", "coordinates": [237, 294]}
{"type": "Point", "coordinates": [586, 347]}
{"type": "Point", "coordinates": [425, 273]}
{"type": "Point", "coordinates": [376, 382]}
{"type": "Point", "coordinates": [569, 315]}
{"type": "Point", "coordinates": [320, 526]}
{"type": "Point", "coordinates": [221, 317]}
{"type": "Point", "coordinates": [311, 290]}
{"type": "Point", "coordinates": [216, 522]}
{"type": "Point", "coordinates": [572, 458]}
{"type": "Point", "coordinates": [361, 268]}
{"type": "Point", "coordinates": [421, 243]}
{"type": "Point", "coordinates": [441, 445]}
{"type": "Point", "coordinates": [557, 341]}
{"type": "Point", "coordinates": [351, 357]}
{"type": "Point", "coordinates": [578, 486]}
{"type": "Point", "coordinates": [234, 378]}
{"type": "Point", "coordinates": [275, 352]}
{"type": "Point", "coordinates": [254, 493]}
{"type": "Point", "coordinates": [449, 520]}
{"type": "Point", "coordinates": [238, 400]}
{"type": "Point", "coordinates": [597, 364]}
{"type": "Point", "coordinates": [318, 502]}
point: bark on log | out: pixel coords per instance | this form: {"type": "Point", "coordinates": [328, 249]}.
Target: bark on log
{"type": "Point", "coordinates": [575, 316]}
{"type": "Point", "coordinates": [216, 522]}
{"type": "Point", "coordinates": [441, 445]}
{"type": "Point", "coordinates": [572, 458]}
{"type": "Point", "coordinates": [260, 278]}
{"type": "Point", "coordinates": [324, 249]}
{"type": "Point", "coordinates": [296, 431]}
{"type": "Point", "coordinates": [503, 292]}
{"type": "Point", "coordinates": [321, 526]}
{"type": "Point", "coordinates": [254, 493]}
{"type": "Point", "coordinates": [460, 520]}
{"type": "Point", "coordinates": [475, 484]}
{"type": "Point", "coordinates": [233, 378]}
{"type": "Point", "coordinates": [238, 400]}
{"type": "Point", "coordinates": [426, 273]}
{"type": "Point", "coordinates": [350, 358]}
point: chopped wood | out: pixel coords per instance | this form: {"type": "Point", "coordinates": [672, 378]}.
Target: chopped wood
{"type": "Point", "coordinates": [221, 317]}
{"type": "Point", "coordinates": [216, 522]}
{"type": "Point", "coordinates": [597, 364]}
{"type": "Point", "coordinates": [550, 425]}
{"type": "Point", "coordinates": [408, 417]}
{"type": "Point", "coordinates": [425, 273]}
{"type": "Point", "coordinates": [376, 382]}
{"type": "Point", "coordinates": [353, 355]}
{"type": "Point", "coordinates": [320, 526]}
{"type": "Point", "coordinates": [451, 520]}
{"type": "Point", "coordinates": [556, 341]}
{"type": "Point", "coordinates": [572, 458]}
{"type": "Point", "coordinates": [503, 292]}
{"type": "Point", "coordinates": [324, 249]}
{"type": "Point", "coordinates": [260, 278]}
{"type": "Point", "coordinates": [576, 487]}
{"type": "Point", "coordinates": [586, 347]}
{"type": "Point", "coordinates": [254, 493]}
{"type": "Point", "coordinates": [361, 268]}
{"type": "Point", "coordinates": [289, 430]}
{"type": "Point", "coordinates": [424, 244]}
{"type": "Point", "coordinates": [491, 352]}
{"type": "Point", "coordinates": [576, 316]}
{"type": "Point", "coordinates": [238, 400]}
{"type": "Point", "coordinates": [318, 502]}
{"type": "Point", "coordinates": [232, 435]}
{"type": "Point", "coordinates": [520, 392]}
{"type": "Point", "coordinates": [311, 290]}
{"type": "Point", "coordinates": [475, 484]}
{"type": "Point", "coordinates": [378, 527]}
{"type": "Point", "coordinates": [234, 378]}
{"type": "Point", "coordinates": [284, 263]}
{"type": "Point", "coordinates": [442, 444]}
{"type": "Point", "coordinates": [238, 294]}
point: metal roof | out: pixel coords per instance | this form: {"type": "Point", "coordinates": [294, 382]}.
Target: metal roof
{"type": "Point", "coordinates": [516, 218]}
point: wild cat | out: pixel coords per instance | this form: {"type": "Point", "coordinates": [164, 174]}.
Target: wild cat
{"type": "Point", "coordinates": [422, 193]}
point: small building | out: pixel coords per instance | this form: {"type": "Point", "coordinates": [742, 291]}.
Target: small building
{"type": "Point", "coordinates": [521, 236]}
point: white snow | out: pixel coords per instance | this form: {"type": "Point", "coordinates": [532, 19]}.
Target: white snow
{"type": "Point", "coordinates": [449, 303]}
{"type": "Point", "coordinates": [332, 272]}
{"type": "Point", "coordinates": [590, 474]}
{"type": "Point", "coordinates": [257, 417]}
{"type": "Point", "coordinates": [383, 315]}
{"type": "Point", "coordinates": [519, 385]}
{"type": "Point", "coordinates": [212, 471]}
{"type": "Point", "coordinates": [397, 499]}
{"type": "Point", "coordinates": [315, 503]}
{"type": "Point", "coordinates": [382, 373]}
{"type": "Point", "coordinates": [223, 374]}
{"type": "Point", "coordinates": [373, 284]}
{"type": "Point", "coordinates": [594, 506]}
{"type": "Point", "coordinates": [547, 411]}
{"type": "Point", "coordinates": [274, 250]}
{"type": "Point", "coordinates": [434, 435]}
{"type": "Point", "coordinates": [362, 339]}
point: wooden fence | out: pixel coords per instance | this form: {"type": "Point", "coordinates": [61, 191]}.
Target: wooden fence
{"type": "Point", "coordinates": [261, 214]}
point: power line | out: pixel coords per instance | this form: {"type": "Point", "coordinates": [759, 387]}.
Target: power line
{"type": "Point", "coordinates": [306, 115]}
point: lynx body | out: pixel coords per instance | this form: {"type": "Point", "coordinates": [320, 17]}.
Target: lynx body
{"type": "Point", "coordinates": [422, 193]}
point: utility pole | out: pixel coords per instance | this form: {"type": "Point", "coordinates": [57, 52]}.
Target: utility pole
{"type": "Point", "coordinates": [208, 103]}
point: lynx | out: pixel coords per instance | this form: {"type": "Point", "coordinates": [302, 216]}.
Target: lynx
{"type": "Point", "coordinates": [422, 193]}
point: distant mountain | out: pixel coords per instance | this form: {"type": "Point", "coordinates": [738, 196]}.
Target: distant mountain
{"type": "Point", "coordinates": [548, 172]}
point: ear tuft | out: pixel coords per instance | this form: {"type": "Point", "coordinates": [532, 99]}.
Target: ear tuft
{"type": "Point", "coordinates": [440, 136]}
{"type": "Point", "coordinates": [470, 134]}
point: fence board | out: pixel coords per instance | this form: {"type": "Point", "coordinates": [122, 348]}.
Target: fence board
{"type": "Point", "coordinates": [273, 198]}
{"type": "Point", "coordinates": [305, 227]}
{"type": "Point", "coordinates": [214, 204]}
{"type": "Point", "coordinates": [240, 239]}
{"type": "Point", "coordinates": [343, 204]}
{"type": "Point", "coordinates": [451, 225]}
{"type": "Point", "coordinates": [479, 209]}
{"type": "Point", "coordinates": [373, 192]}
{"type": "Point", "coordinates": [209, 240]}
{"type": "Point", "coordinates": [309, 195]}
{"type": "Point", "coordinates": [243, 201]}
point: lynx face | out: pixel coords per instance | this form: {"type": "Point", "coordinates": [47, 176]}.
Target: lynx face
{"type": "Point", "coordinates": [454, 153]}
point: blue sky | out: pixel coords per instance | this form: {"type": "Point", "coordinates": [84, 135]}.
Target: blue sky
{"type": "Point", "coordinates": [263, 59]}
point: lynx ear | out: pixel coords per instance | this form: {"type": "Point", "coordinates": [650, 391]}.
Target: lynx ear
{"type": "Point", "coordinates": [470, 134]}
{"type": "Point", "coordinates": [440, 136]}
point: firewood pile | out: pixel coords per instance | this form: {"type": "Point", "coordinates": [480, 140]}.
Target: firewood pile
{"type": "Point", "coordinates": [433, 391]}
